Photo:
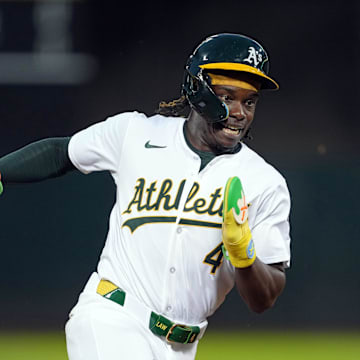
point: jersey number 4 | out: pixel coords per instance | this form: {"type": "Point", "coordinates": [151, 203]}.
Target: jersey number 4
{"type": "Point", "coordinates": [214, 258]}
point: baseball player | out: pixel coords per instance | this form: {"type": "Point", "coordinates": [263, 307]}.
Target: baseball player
{"type": "Point", "coordinates": [197, 211]}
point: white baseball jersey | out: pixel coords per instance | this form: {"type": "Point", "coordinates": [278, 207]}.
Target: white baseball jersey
{"type": "Point", "coordinates": [164, 240]}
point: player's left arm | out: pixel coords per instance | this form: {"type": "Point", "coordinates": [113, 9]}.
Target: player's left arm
{"type": "Point", "coordinates": [258, 283]}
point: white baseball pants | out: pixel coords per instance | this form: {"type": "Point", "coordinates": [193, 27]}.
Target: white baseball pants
{"type": "Point", "coordinates": [100, 329]}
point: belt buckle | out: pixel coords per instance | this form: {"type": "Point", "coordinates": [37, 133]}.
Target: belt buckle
{"type": "Point", "coordinates": [172, 329]}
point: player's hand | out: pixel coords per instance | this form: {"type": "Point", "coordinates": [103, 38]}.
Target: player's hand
{"type": "Point", "coordinates": [1, 186]}
{"type": "Point", "coordinates": [236, 233]}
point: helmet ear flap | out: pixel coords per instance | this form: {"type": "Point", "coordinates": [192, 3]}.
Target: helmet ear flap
{"type": "Point", "coordinates": [195, 86]}
{"type": "Point", "coordinates": [203, 99]}
{"type": "Point", "coordinates": [191, 83]}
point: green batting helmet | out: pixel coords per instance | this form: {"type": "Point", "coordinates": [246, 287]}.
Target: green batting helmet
{"type": "Point", "coordinates": [229, 52]}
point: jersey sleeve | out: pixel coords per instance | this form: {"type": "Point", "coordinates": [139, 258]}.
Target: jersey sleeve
{"type": "Point", "coordinates": [99, 147]}
{"type": "Point", "coordinates": [271, 230]}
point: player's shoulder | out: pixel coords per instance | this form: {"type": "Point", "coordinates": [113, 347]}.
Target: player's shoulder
{"type": "Point", "coordinates": [137, 118]}
{"type": "Point", "coordinates": [126, 116]}
{"type": "Point", "coordinates": [260, 169]}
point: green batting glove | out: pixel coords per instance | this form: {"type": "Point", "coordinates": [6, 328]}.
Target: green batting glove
{"type": "Point", "coordinates": [1, 186]}
{"type": "Point", "coordinates": [236, 233]}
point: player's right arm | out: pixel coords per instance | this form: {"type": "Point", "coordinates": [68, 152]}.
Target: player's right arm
{"type": "Point", "coordinates": [96, 148]}
{"type": "Point", "coordinates": [41, 160]}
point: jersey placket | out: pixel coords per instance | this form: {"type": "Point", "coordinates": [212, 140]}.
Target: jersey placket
{"type": "Point", "coordinates": [173, 266]}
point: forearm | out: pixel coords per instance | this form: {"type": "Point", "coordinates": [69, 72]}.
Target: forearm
{"type": "Point", "coordinates": [38, 161]}
{"type": "Point", "coordinates": [260, 284]}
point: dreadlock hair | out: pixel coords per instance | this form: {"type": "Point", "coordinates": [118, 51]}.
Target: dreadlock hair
{"type": "Point", "coordinates": [181, 108]}
{"type": "Point", "coordinates": [177, 108]}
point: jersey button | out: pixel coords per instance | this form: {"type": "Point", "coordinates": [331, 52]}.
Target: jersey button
{"type": "Point", "coordinates": [172, 269]}
{"type": "Point", "coordinates": [179, 230]}
{"type": "Point", "coordinates": [168, 308]}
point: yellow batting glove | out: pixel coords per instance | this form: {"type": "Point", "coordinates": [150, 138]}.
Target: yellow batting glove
{"type": "Point", "coordinates": [236, 233]}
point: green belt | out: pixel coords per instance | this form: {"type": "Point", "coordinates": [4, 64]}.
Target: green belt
{"type": "Point", "coordinates": [158, 324]}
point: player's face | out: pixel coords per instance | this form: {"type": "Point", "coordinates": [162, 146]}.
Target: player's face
{"type": "Point", "coordinates": [224, 136]}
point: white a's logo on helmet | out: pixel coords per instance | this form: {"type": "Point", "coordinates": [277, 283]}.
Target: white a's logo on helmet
{"type": "Point", "coordinates": [255, 57]}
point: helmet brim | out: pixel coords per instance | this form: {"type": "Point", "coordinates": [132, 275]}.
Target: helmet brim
{"type": "Point", "coordinates": [267, 83]}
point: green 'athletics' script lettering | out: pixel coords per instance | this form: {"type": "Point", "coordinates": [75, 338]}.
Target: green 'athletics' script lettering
{"type": "Point", "coordinates": [200, 205]}
{"type": "Point", "coordinates": [155, 197]}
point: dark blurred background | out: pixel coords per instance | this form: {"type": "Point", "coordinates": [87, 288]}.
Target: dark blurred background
{"type": "Point", "coordinates": [67, 64]}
